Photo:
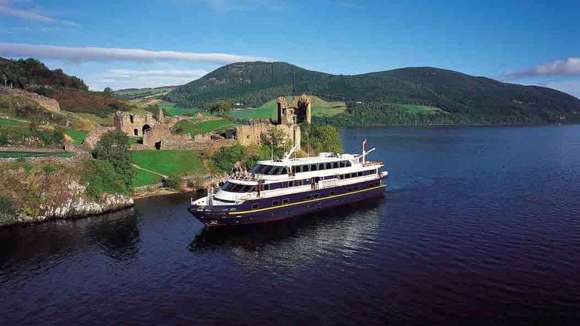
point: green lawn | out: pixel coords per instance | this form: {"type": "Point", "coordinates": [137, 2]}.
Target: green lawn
{"type": "Point", "coordinates": [174, 109]}
{"type": "Point", "coordinates": [166, 163]}
{"type": "Point", "coordinates": [34, 154]}
{"type": "Point", "coordinates": [420, 109]}
{"type": "Point", "coordinates": [11, 123]}
{"type": "Point", "coordinates": [320, 108]}
{"type": "Point", "coordinates": [194, 128]}
{"type": "Point", "coordinates": [78, 136]}
{"type": "Point", "coordinates": [143, 178]}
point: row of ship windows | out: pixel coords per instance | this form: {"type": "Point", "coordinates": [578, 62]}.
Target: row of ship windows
{"type": "Point", "coordinates": [234, 187]}
{"type": "Point", "coordinates": [280, 170]}
{"type": "Point", "coordinates": [317, 195]}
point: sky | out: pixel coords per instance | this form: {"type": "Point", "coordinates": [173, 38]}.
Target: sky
{"type": "Point", "coordinates": [122, 44]}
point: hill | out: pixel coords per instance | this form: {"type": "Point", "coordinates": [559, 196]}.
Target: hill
{"type": "Point", "coordinates": [27, 73]}
{"type": "Point", "coordinates": [408, 96]}
{"type": "Point", "coordinates": [71, 92]}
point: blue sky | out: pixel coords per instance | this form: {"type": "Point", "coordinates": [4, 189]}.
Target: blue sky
{"type": "Point", "coordinates": [151, 43]}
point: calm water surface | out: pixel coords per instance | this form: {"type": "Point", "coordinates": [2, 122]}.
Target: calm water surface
{"type": "Point", "coordinates": [478, 225]}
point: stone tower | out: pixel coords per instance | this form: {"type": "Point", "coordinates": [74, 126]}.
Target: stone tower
{"type": "Point", "coordinates": [295, 112]}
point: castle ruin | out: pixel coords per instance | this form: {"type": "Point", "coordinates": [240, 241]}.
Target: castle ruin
{"type": "Point", "coordinates": [289, 116]}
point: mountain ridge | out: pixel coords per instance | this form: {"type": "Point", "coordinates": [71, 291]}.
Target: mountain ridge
{"type": "Point", "coordinates": [466, 99]}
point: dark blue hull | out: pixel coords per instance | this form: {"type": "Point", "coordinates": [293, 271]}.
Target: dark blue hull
{"type": "Point", "coordinates": [279, 208]}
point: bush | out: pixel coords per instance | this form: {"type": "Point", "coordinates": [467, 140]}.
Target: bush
{"type": "Point", "coordinates": [173, 181]}
{"type": "Point", "coordinates": [226, 157]}
{"type": "Point", "coordinates": [101, 177]}
{"type": "Point", "coordinates": [7, 210]}
{"type": "Point", "coordinates": [320, 139]}
{"type": "Point", "coordinates": [114, 148]}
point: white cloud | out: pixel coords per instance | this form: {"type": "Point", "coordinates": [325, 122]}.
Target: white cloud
{"type": "Point", "coordinates": [566, 67]}
{"type": "Point", "coordinates": [571, 87]}
{"type": "Point", "coordinates": [168, 73]}
{"type": "Point", "coordinates": [84, 54]}
{"type": "Point", "coordinates": [129, 78]}
{"type": "Point", "coordinates": [8, 8]}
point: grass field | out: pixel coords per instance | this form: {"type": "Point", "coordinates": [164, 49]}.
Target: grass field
{"type": "Point", "coordinates": [143, 178]}
{"type": "Point", "coordinates": [78, 136]}
{"type": "Point", "coordinates": [195, 128]}
{"type": "Point", "coordinates": [11, 123]}
{"type": "Point", "coordinates": [166, 163]}
{"type": "Point", "coordinates": [420, 109]}
{"type": "Point", "coordinates": [320, 108]}
{"type": "Point", "coordinates": [174, 109]}
{"type": "Point", "coordinates": [34, 154]}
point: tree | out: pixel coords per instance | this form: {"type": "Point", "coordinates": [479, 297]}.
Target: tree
{"type": "Point", "coordinates": [114, 148]}
{"type": "Point", "coordinates": [221, 107]}
{"type": "Point", "coordinates": [275, 140]}
{"type": "Point", "coordinates": [108, 91]}
{"type": "Point", "coordinates": [320, 138]}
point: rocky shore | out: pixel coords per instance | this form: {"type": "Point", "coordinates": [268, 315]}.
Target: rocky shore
{"type": "Point", "coordinates": [73, 208]}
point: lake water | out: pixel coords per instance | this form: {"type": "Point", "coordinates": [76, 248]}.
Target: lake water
{"type": "Point", "coordinates": [478, 225]}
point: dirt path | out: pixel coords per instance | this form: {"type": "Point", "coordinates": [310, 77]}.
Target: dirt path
{"type": "Point", "coordinates": [150, 171]}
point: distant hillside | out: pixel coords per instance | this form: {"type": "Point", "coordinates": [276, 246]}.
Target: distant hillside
{"type": "Point", "coordinates": [70, 91]}
{"type": "Point", "coordinates": [143, 93]}
{"type": "Point", "coordinates": [408, 96]}
{"type": "Point", "coordinates": [26, 73]}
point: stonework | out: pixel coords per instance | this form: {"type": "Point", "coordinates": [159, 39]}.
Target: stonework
{"type": "Point", "coordinates": [289, 116]}
{"type": "Point", "coordinates": [94, 135]}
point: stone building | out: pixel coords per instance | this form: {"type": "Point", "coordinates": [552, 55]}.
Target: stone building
{"type": "Point", "coordinates": [136, 125]}
{"type": "Point", "coordinates": [289, 116]}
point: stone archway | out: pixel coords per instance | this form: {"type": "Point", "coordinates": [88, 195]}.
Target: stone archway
{"type": "Point", "coordinates": [146, 128]}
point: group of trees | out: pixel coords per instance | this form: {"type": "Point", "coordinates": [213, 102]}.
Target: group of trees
{"type": "Point", "coordinates": [110, 171]}
{"type": "Point", "coordinates": [25, 73]}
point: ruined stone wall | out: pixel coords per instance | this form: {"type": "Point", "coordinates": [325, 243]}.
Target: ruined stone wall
{"type": "Point", "coordinates": [94, 136]}
{"type": "Point", "coordinates": [134, 124]}
{"type": "Point", "coordinates": [297, 111]}
{"type": "Point", "coordinates": [251, 133]}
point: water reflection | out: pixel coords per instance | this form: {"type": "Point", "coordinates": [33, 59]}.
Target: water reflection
{"type": "Point", "coordinates": [347, 229]}
{"type": "Point", "coordinates": [117, 234]}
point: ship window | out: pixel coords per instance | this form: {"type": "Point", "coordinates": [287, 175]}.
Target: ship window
{"type": "Point", "coordinates": [321, 166]}
{"type": "Point", "coordinates": [298, 168]}
{"type": "Point", "coordinates": [316, 195]}
{"type": "Point", "coordinates": [305, 168]}
{"type": "Point", "coordinates": [275, 203]}
{"type": "Point", "coordinates": [274, 170]}
{"type": "Point", "coordinates": [313, 167]}
{"type": "Point", "coordinates": [267, 187]}
{"type": "Point", "coordinates": [348, 163]}
{"type": "Point", "coordinates": [335, 165]}
{"type": "Point", "coordinates": [359, 174]}
{"type": "Point", "coordinates": [266, 169]}
{"type": "Point", "coordinates": [341, 176]}
{"type": "Point", "coordinates": [308, 197]}
{"type": "Point", "coordinates": [329, 165]}
{"type": "Point", "coordinates": [252, 189]}
{"type": "Point", "coordinates": [285, 201]}
{"type": "Point", "coordinates": [254, 206]}
{"type": "Point", "coordinates": [342, 164]}
{"type": "Point", "coordinates": [284, 171]}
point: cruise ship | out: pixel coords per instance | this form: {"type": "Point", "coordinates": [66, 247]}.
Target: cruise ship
{"type": "Point", "coordinates": [280, 189]}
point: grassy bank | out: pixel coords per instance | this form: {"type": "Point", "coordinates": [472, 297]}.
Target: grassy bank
{"type": "Point", "coordinates": [169, 163]}
{"type": "Point", "coordinates": [194, 128]}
